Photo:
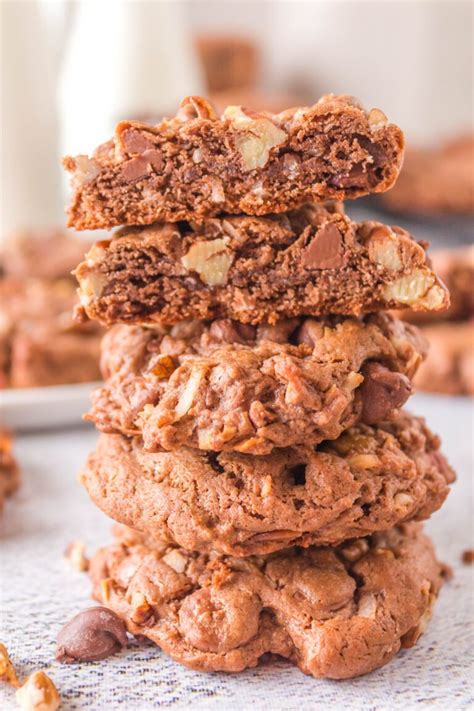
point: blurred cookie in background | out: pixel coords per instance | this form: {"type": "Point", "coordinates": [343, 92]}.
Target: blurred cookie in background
{"type": "Point", "coordinates": [9, 469]}
{"type": "Point", "coordinates": [228, 61]}
{"type": "Point", "coordinates": [435, 181]}
{"type": "Point", "coordinates": [449, 367]}
{"type": "Point", "coordinates": [40, 342]}
{"type": "Point", "coordinates": [50, 253]}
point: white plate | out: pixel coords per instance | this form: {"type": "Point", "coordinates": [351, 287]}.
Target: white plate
{"type": "Point", "coordinates": [45, 408]}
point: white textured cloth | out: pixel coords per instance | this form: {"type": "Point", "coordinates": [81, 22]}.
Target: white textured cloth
{"type": "Point", "coordinates": [39, 592]}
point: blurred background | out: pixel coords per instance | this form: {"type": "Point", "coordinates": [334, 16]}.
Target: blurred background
{"type": "Point", "coordinates": [71, 70]}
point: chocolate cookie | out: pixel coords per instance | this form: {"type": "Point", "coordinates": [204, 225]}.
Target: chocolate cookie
{"type": "Point", "coordinates": [449, 367]}
{"type": "Point", "coordinates": [42, 254]}
{"type": "Point", "coordinates": [227, 386]}
{"type": "Point", "coordinates": [40, 343]}
{"type": "Point", "coordinates": [312, 261]}
{"type": "Point", "coordinates": [436, 180]}
{"type": "Point", "coordinates": [369, 479]}
{"type": "Point", "coordinates": [197, 164]}
{"type": "Point", "coordinates": [9, 469]}
{"type": "Point", "coordinates": [334, 612]}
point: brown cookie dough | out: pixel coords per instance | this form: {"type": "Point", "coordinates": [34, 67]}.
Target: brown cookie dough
{"type": "Point", "coordinates": [449, 367]}
{"type": "Point", "coordinates": [437, 180]}
{"type": "Point", "coordinates": [228, 61]}
{"type": "Point", "coordinates": [9, 469]}
{"type": "Point", "coordinates": [312, 261]}
{"type": "Point", "coordinates": [334, 612]}
{"type": "Point", "coordinates": [40, 343]}
{"type": "Point", "coordinates": [226, 386]}
{"type": "Point", "coordinates": [197, 165]}
{"type": "Point", "coordinates": [368, 480]}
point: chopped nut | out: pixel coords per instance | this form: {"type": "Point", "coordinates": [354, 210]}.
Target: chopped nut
{"type": "Point", "coordinates": [186, 398]}
{"type": "Point", "coordinates": [351, 441]}
{"type": "Point", "coordinates": [76, 556]}
{"type": "Point", "coordinates": [105, 589]}
{"type": "Point", "coordinates": [7, 670]}
{"type": "Point", "coordinates": [164, 367]}
{"type": "Point", "coordinates": [367, 606]}
{"type": "Point", "coordinates": [38, 693]}
{"type": "Point", "coordinates": [211, 260]}
{"type": "Point", "coordinates": [353, 380]}
{"type": "Point", "coordinates": [402, 500]}
{"type": "Point", "coordinates": [377, 118]}
{"type": "Point", "coordinates": [90, 288]}
{"type": "Point", "coordinates": [85, 170]}
{"type": "Point", "coordinates": [468, 556]}
{"type": "Point", "coordinates": [267, 486]}
{"type": "Point", "coordinates": [355, 550]}
{"type": "Point", "coordinates": [141, 609]}
{"type": "Point", "coordinates": [217, 190]}
{"type": "Point", "coordinates": [261, 135]}
{"type": "Point", "coordinates": [193, 107]}
{"type": "Point", "coordinates": [383, 249]}
{"type": "Point", "coordinates": [364, 461]}
{"type": "Point", "coordinates": [416, 289]}
{"type": "Point", "coordinates": [176, 560]}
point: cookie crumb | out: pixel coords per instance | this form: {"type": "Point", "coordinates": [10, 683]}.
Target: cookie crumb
{"type": "Point", "coordinates": [468, 556]}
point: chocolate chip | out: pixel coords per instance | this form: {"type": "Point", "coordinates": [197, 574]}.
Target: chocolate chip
{"type": "Point", "coordinates": [326, 250]}
{"type": "Point", "coordinates": [93, 634]}
{"type": "Point", "coordinates": [382, 391]}
{"type": "Point", "coordinates": [134, 141]}
{"type": "Point", "coordinates": [135, 168]}
{"type": "Point", "coordinates": [231, 331]}
{"type": "Point", "coordinates": [155, 159]}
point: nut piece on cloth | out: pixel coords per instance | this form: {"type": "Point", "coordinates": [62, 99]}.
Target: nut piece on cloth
{"type": "Point", "coordinates": [38, 693]}
{"type": "Point", "coordinates": [7, 670]}
{"type": "Point", "coordinates": [75, 554]}
{"type": "Point", "coordinates": [93, 634]}
{"type": "Point", "coordinates": [197, 165]}
{"type": "Point", "coordinates": [334, 612]}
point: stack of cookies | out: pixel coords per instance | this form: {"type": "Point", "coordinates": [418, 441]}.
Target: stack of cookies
{"type": "Point", "coordinates": [253, 446]}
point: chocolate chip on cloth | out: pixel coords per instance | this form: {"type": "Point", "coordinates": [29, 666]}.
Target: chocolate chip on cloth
{"type": "Point", "coordinates": [197, 165]}
{"type": "Point", "coordinates": [369, 479]}
{"type": "Point", "coordinates": [312, 261]}
{"type": "Point", "coordinates": [93, 634]}
{"type": "Point", "coordinates": [334, 612]}
{"type": "Point", "coordinates": [229, 387]}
